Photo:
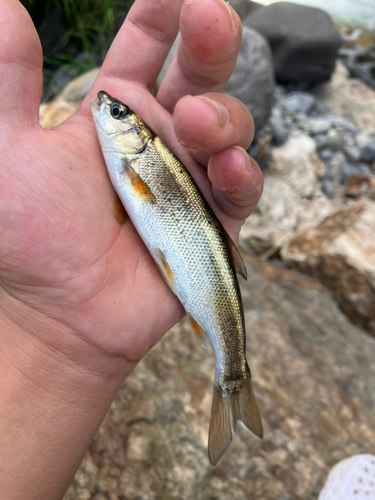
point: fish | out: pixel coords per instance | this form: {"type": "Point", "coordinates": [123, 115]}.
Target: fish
{"type": "Point", "coordinates": [193, 252]}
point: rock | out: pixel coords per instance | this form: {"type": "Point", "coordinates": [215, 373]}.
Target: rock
{"type": "Point", "coordinates": [244, 7]}
{"type": "Point", "coordinates": [280, 131]}
{"type": "Point", "coordinates": [299, 102]}
{"type": "Point", "coordinates": [359, 185]}
{"type": "Point", "coordinates": [297, 163]}
{"type": "Point", "coordinates": [68, 101]}
{"type": "Point", "coordinates": [326, 154]}
{"type": "Point", "coordinates": [368, 153]}
{"type": "Point", "coordinates": [348, 97]}
{"type": "Point", "coordinates": [303, 40]}
{"type": "Point", "coordinates": [328, 186]}
{"type": "Point", "coordinates": [352, 152]}
{"type": "Point", "coordinates": [361, 63]}
{"type": "Point", "coordinates": [253, 80]}
{"type": "Point", "coordinates": [314, 378]}
{"type": "Point", "coordinates": [340, 251]}
{"type": "Point", "coordinates": [333, 140]}
{"type": "Point", "coordinates": [318, 125]}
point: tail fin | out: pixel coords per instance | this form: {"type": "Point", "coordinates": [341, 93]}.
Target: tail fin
{"type": "Point", "coordinates": [225, 412]}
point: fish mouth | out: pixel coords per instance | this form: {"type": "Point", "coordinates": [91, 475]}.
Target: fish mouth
{"type": "Point", "coordinates": [95, 105]}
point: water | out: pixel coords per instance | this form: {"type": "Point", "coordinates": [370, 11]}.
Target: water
{"type": "Point", "coordinates": [351, 12]}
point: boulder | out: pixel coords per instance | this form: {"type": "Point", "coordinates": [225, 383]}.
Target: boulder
{"type": "Point", "coordinates": [314, 379]}
{"type": "Point", "coordinates": [340, 251]}
{"type": "Point", "coordinates": [348, 97]}
{"type": "Point", "coordinates": [252, 80]}
{"type": "Point", "coordinates": [303, 41]}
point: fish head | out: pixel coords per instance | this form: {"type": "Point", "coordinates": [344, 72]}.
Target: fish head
{"type": "Point", "coordinates": [119, 128]}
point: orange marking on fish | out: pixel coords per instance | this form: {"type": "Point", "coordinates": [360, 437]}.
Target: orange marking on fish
{"type": "Point", "coordinates": [119, 211]}
{"type": "Point", "coordinates": [197, 329]}
{"type": "Point", "coordinates": [166, 268]}
{"type": "Point", "coordinates": [139, 185]}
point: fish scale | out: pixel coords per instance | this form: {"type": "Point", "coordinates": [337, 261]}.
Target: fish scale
{"type": "Point", "coordinates": [195, 255]}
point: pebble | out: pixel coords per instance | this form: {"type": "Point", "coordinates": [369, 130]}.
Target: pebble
{"type": "Point", "coordinates": [328, 186]}
{"type": "Point", "coordinates": [299, 102]}
{"type": "Point", "coordinates": [318, 125]}
{"type": "Point", "coordinates": [368, 153]}
{"type": "Point", "coordinates": [348, 169]}
{"type": "Point", "coordinates": [326, 154]}
{"type": "Point", "coordinates": [353, 152]}
{"type": "Point", "coordinates": [280, 131]}
{"type": "Point", "coordinates": [334, 140]}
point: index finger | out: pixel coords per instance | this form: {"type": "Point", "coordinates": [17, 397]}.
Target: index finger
{"type": "Point", "coordinates": [143, 42]}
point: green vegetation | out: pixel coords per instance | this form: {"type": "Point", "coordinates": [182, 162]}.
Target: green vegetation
{"type": "Point", "coordinates": [87, 28]}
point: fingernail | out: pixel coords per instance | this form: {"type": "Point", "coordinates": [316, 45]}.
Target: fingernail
{"type": "Point", "coordinates": [229, 11]}
{"type": "Point", "coordinates": [222, 110]}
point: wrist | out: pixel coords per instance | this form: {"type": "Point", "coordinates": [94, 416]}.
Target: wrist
{"type": "Point", "coordinates": [56, 390]}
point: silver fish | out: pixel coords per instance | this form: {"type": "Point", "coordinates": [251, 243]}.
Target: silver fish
{"type": "Point", "coordinates": [194, 253]}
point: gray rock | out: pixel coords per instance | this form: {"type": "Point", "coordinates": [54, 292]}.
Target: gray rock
{"type": "Point", "coordinates": [328, 186]}
{"type": "Point", "coordinates": [303, 40]}
{"type": "Point", "coordinates": [299, 102]}
{"type": "Point", "coordinates": [368, 153]}
{"type": "Point", "coordinates": [314, 377]}
{"type": "Point", "coordinates": [253, 79]}
{"type": "Point", "coordinates": [333, 140]}
{"type": "Point", "coordinates": [352, 152]}
{"type": "Point", "coordinates": [348, 169]}
{"type": "Point", "coordinates": [244, 7]}
{"type": "Point", "coordinates": [318, 125]}
{"type": "Point", "coordinates": [326, 154]}
{"type": "Point", "coordinates": [280, 131]}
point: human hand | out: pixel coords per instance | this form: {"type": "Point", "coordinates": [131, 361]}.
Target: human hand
{"type": "Point", "coordinates": [68, 268]}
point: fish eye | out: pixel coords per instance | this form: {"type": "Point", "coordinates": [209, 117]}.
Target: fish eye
{"type": "Point", "coordinates": [118, 111]}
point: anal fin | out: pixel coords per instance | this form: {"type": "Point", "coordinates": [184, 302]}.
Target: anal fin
{"type": "Point", "coordinates": [198, 331]}
{"type": "Point", "coordinates": [236, 258]}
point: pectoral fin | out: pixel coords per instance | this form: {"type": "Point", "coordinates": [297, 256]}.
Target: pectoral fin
{"type": "Point", "coordinates": [236, 258]}
{"type": "Point", "coordinates": [198, 331]}
{"type": "Point", "coordinates": [139, 185]}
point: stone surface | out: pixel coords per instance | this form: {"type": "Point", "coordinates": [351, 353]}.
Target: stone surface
{"type": "Point", "coordinates": [303, 40]}
{"type": "Point", "coordinates": [314, 378]}
{"type": "Point", "coordinates": [299, 102]}
{"type": "Point", "coordinates": [348, 97]}
{"type": "Point", "coordinates": [340, 251]}
{"type": "Point", "coordinates": [253, 80]}
{"type": "Point", "coordinates": [297, 163]}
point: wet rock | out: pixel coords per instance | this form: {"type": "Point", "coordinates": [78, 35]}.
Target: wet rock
{"type": "Point", "coordinates": [340, 251]}
{"type": "Point", "coordinates": [299, 102]}
{"type": "Point", "coordinates": [361, 63]}
{"type": "Point", "coordinates": [253, 80]}
{"type": "Point", "coordinates": [303, 40]}
{"type": "Point", "coordinates": [348, 97]}
{"type": "Point", "coordinates": [314, 378]}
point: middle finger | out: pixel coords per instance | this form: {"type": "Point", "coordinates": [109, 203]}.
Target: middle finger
{"type": "Point", "coordinates": [207, 52]}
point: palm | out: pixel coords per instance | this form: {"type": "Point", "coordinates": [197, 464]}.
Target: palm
{"type": "Point", "coordinates": [63, 253]}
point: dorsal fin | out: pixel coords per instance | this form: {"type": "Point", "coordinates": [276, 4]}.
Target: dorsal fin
{"type": "Point", "coordinates": [235, 257]}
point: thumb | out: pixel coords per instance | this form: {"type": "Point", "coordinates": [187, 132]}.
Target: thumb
{"type": "Point", "coordinates": [21, 63]}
